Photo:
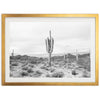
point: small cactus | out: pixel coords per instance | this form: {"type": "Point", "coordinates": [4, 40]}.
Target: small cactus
{"type": "Point", "coordinates": [66, 58]}
{"type": "Point", "coordinates": [49, 47]}
{"type": "Point", "coordinates": [12, 54]}
{"type": "Point", "coordinates": [76, 56]}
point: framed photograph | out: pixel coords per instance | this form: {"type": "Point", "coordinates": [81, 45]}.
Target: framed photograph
{"type": "Point", "coordinates": [50, 49]}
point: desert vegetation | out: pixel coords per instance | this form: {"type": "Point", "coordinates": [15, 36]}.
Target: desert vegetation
{"type": "Point", "coordinates": [26, 66]}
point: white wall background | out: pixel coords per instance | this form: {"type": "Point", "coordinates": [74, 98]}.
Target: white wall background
{"type": "Point", "coordinates": [49, 92]}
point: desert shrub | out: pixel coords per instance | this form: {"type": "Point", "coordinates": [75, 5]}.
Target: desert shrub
{"type": "Point", "coordinates": [85, 63]}
{"type": "Point", "coordinates": [12, 68]}
{"type": "Point", "coordinates": [24, 57]}
{"type": "Point", "coordinates": [69, 64]}
{"type": "Point", "coordinates": [82, 61]}
{"type": "Point", "coordinates": [38, 62]}
{"type": "Point", "coordinates": [24, 73]}
{"type": "Point", "coordinates": [43, 67]}
{"type": "Point", "coordinates": [41, 59]}
{"type": "Point", "coordinates": [52, 70]}
{"type": "Point", "coordinates": [10, 61]}
{"type": "Point", "coordinates": [31, 66]}
{"type": "Point", "coordinates": [14, 64]}
{"type": "Point", "coordinates": [48, 75]}
{"type": "Point", "coordinates": [33, 62]}
{"type": "Point", "coordinates": [11, 57]}
{"type": "Point", "coordinates": [58, 74]}
{"type": "Point", "coordinates": [18, 57]}
{"type": "Point", "coordinates": [74, 72]}
{"type": "Point", "coordinates": [25, 68]}
{"type": "Point", "coordinates": [24, 64]}
{"type": "Point", "coordinates": [11, 74]}
{"type": "Point", "coordinates": [87, 68]}
{"type": "Point", "coordinates": [30, 70]}
{"type": "Point", "coordinates": [85, 74]}
{"type": "Point", "coordinates": [37, 73]}
{"type": "Point", "coordinates": [80, 66]}
{"type": "Point", "coordinates": [46, 68]}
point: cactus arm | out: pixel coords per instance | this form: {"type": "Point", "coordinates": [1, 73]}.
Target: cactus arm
{"type": "Point", "coordinates": [46, 45]}
{"type": "Point", "coordinates": [50, 34]}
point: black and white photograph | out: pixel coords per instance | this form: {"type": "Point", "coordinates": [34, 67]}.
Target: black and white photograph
{"type": "Point", "coordinates": [45, 49]}
{"type": "Point", "coordinates": [50, 49]}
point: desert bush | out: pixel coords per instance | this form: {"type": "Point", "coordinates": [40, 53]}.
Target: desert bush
{"type": "Point", "coordinates": [11, 74]}
{"type": "Point", "coordinates": [46, 68]}
{"type": "Point", "coordinates": [43, 67]}
{"type": "Point", "coordinates": [31, 66]}
{"type": "Point", "coordinates": [85, 63]}
{"type": "Point", "coordinates": [74, 72]}
{"type": "Point", "coordinates": [24, 64]}
{"type": "Point", "coordinates": [17, 57]}
{"type": "Point", "coordinates": [12, 68]}
{"type": "Point", "coordinates": [25, 68]}
{"type": "Point", "coordinates": [24, 57]}
{"type": "Point", "coordinates": [48, 75]}
{"type": "Point", "coordinates": [37, 73]}
{"type": "Point", "coordinates": [24, 73]}
{"type": "Point", "coordinates": [30, 70]}
{"type": "Point", "coordinates": [10, 61]}
{"type": "Point", "coordinates": [87, 68]}
{"type": "Point", "coordinates": [14, 64]}
{"type": "Point", "coordinates": [85, 74]}
{"type": "Point", "coordinates": [33, 62]}
{"type": "Point", "coordinates": [58, 74]}
{"type": "Point", "coordinates": [49, 69]}
{"type": "Point", "coordinates": [42, 59]}
{"type": "Point", "coordinates": [52, 70]}
{"type": "Point", "coordinates": [11, 57]}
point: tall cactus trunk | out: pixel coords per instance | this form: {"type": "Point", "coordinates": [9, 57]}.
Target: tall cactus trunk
{"type": "Point", "coordinates": [77, 58]}
{"type": "Point", "coordinates": [49, 59]}
{"type": "Point", "coordinates": [65, 58]}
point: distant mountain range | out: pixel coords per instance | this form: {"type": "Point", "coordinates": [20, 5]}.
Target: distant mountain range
{"type": "Point", "coordinates": [59, 54]}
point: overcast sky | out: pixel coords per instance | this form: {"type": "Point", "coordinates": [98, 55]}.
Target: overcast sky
{"type": "Point", "coordinates": [29, 37]}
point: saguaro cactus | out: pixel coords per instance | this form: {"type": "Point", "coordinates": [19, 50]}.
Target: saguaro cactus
{"type": "Point", "coordinates": [66, 58]}
{"type": "Point", "coordinates": [12, 54]}
{"type": "Point", "coordinates": [49, 47]}
{"type": "Point", "coordinates": [76, 56]}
